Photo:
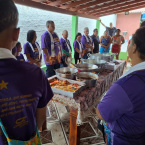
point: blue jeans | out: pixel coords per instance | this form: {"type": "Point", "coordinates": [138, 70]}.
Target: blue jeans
{"type": "Point", "coordinates": [50, 69]}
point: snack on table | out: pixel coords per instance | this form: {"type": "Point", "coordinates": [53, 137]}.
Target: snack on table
{"type": "Point", "coordinates": [64, 85]}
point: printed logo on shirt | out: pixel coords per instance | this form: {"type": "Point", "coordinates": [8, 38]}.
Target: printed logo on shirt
{"type": "Point", "coordinates": [3, 85]}
{"type": "Point", "coordinates": [56, 40]}
{"type": "Point", "coordinates": [21, 122]}
{"type": "Point", "coordinates": [36, 49]}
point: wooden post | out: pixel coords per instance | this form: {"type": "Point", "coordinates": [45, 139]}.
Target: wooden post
{"type": "Point", "coordinates": [73, 127]}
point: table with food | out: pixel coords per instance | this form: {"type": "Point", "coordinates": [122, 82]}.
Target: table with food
{"type": "Point", "coordinates": [82, 86]}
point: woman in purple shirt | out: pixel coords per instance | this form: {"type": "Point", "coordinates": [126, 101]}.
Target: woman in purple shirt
{"type": "Point", "coordinates": [19, 55]}
{"type": "Point", "coordinates": [32, 49]}
{"type": "Point", "coordinates": [78, 48]}
{"type": "Point", "coordinates": [123, 107]}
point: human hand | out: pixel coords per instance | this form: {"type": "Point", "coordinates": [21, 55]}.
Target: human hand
{"type": "Point", "coordinates": [86, 50]}
{"type": "Point", "coordinates": [106, 48]}
{"type": "Point", "coordinates": [47, 59]}
{"type": "Point", "coordinates": [38, 64]}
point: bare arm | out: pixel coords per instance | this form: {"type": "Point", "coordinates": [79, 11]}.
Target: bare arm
{"type": "Point", "coordinates": [123, 41]}
{"type": "Point", "coordinates": [101, 42]}
{"type": "Point", "coordinates": [88, 46]}
{"type": "Point", "coordinates": [40, 116]}
{"type": "Point", "coordinates": [98, 114]}
{"type": "Point", "coordinates": [47, 55]}
{"type": "Point", "coordinates": [110, 41]}
{"type": "Point", "coordinates": [30, 58]}
{"type": "Point", "coordinates": [40, 57]}
{"type": "Point", "coordinates": [103, 24]}
{"type": "Point", "coordinates": [78, 51]}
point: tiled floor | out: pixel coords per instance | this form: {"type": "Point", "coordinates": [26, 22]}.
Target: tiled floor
{"type": "Point", "coordinates": [58, 126]}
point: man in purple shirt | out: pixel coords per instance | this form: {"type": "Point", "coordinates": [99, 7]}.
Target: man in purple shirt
{"type": "Point", "coordinates": [66, 47]}
{"type": "Point", "coordinates": [51, 49]}
{"type": "Point", "coordinates": [123, 107]}
{"type": "Point", "coordinates": [87, 43]}
{"type": "Point", "coordinates": [24, 88]}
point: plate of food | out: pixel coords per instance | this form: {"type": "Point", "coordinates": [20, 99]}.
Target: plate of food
{"type": "Point", "coordinates": [66, 87]}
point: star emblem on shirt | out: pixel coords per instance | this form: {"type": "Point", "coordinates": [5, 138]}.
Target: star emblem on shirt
{"type": "Point", "coordinates": [3, 85]}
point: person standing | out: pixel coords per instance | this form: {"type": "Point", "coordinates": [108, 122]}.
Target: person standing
{"type": "Point", "coordinates": [87, 42]}
{"type": "Point", "coordinates": [65, 47]}
{"type": "Point", "coordinates": [96, 41]}
{"type": "Point", "coordinates": [123, 106]}
{"type": "Point", "coordinates": [50, 45]}
{"type": "Point", "coordinates": [24, 88]}
{"type": "Point", "coordinates": [32, 49]}
{"type": "Point", "coordinates": [111, 30]}
{"type": "Point", "coordinates": [105, 42]}
{"type": "Point", "coordinates": [19, 55]}
{"type": "Point", "coordinates": [117, 41]}
{"type": "Point", "coordinates": [78, 48]}
{"type": "Point", "coordinates": [14, 51]}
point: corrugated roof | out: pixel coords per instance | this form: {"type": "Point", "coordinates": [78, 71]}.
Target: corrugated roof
{"type": "Point", "coordinates": [86, 8]}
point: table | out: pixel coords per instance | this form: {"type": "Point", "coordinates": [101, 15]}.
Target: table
{"type": "Point", "coordinates": [87, 99]}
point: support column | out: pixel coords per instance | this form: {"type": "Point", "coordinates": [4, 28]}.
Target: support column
{"type": "Point", "coordinates": [74, 31]}
{"type": "Point", "coordinates": [98, 26]}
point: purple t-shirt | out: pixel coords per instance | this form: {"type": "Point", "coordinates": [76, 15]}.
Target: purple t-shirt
{"type": "Point", "coordinates": [20, 57]}
{"type": "Point", "coordinates": [123, 108]}
{"type": "Point", "coordinates": [28, 50]}
{"type": "Point", "coordinates": [84, 41]}
{"type": "Point", "coordinates": [46, 43]}
{"type": "Point", "coordinates": [64, 44]}
{"type": "Point", "coordinates": [24, 88]}
{"type": "Point", "coordinates": [76, 45]}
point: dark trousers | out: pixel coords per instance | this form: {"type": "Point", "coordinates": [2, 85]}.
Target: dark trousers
{"type": "Point", "coordinates": [86, 55]}
{"type": "Point", "coordinates": [76, 60]}
{"type": "Point", "coordinates": [50, 69]}
{"type": "Point", "coordinates": [63, 64]}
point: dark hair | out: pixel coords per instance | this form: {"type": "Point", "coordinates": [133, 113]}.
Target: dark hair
{"type": "Point", "coordinates": [95, 30]}
{"type": "Point", "coordinates": [139, 39]}
{"type": "Point", "coordinates": [78, 34]}
{"type": "Point", "coordinates": [18, 44]}
{"type": "Point", "coordinates": [142, 24]}
{"type": "Point", "coordinates": [14, 50]}
{"type": "Point", "coordinates": [30, 35]}
{"type": "Point", "coordinates": [8, 14]}
{"type": "Point", "coordinates": [48, 23]}
{"type": "Point", "coordinates": [118, 30]}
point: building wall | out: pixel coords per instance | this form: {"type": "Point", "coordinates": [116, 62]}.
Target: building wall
{"type": "Point", "coordinates": [85, 22]}
{"type": "Point", "coordinates": [107, 20]}
{"type": "Point", "coordinates": [32, 18]}
{"type": "Point", "coordinates": [129, 23]}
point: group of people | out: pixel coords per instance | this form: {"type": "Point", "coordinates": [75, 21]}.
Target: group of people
{"type": "Point", "coordinates": [56, 51]}
{"type": "Point", "coordinates": [122, 109]}
{"type": "Point", "coordinates": [25, 90]}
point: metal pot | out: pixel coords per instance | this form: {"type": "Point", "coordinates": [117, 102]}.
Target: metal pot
{"type": "Point", "coordinates": [86, 67]}
{"type": "Point", "coordinates": [62, 72]}
{"type": "Point", "coordinates": [89, 83]}
{"type": "Point", "coordinates": [103, 56]}
{"type": "Point", "coordinates": [99, 63]}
